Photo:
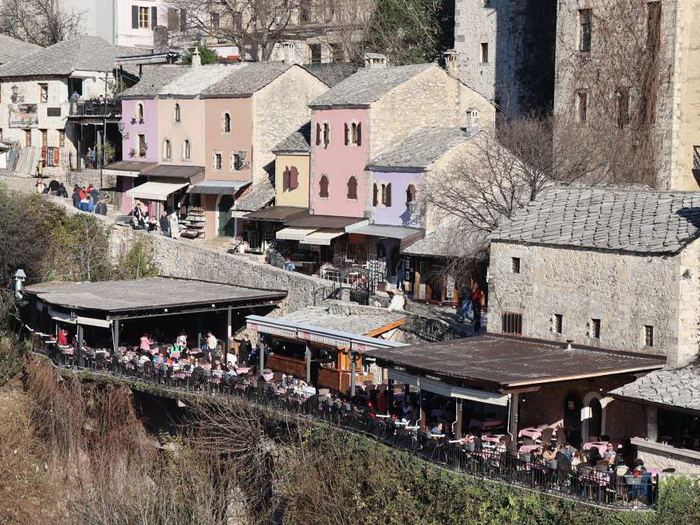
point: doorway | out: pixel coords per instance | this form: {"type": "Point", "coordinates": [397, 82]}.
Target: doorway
{"type": "Point", "coordinates": [593, 416]}
{"type": "Point", "coordinates": [572, 419]}
{"type": "Point", "coordinates": [225, 229]}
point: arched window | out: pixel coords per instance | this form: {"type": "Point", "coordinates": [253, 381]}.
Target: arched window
{"type": "Point", "coordinates": [357, 133]}
{"type": "Point", "coordinates": [352, 188]}
{"type": "Point", "coordinates": [326, 134]}
{"type": "Point", "coordinates": [472, 120]}
{"type": "Point", "coordinates": [177, 112]}
{"type": "Point", "coordinates": [226, 123]}
{"type": "Point", "coordinates": [323, 187]}
{"type": "Point", "coordinates": [139, 111]}
{"type": "Point", "coordinates": [186, 150]}
{"type": "Point", "coordinates": [167, 149]}
{"type": "Point", "coordinates": [375, 195]}
{"type": "Point", "coordinates": [410, 195]}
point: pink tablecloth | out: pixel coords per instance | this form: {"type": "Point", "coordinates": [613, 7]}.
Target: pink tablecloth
{"type": "Point", "coordinates": [492, 438]}
{"type": "Point", "coordinates": [600, 445]}
{"type": "Point", "coordinates": [532, 432]}
{"type": "Point", "coordinates": [526, 449]}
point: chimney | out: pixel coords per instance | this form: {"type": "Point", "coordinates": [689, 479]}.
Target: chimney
{"type": "Point", "coordinates": [568, 344]}
{"type": "Point", "coordinates": [374, 60]}
{"type": "Point", "coordinates": [472, 121]}
{"type": "Point", "coordinates": [196, 58]}
{"type": "Point", "coordinates": [161, 39]}
{"type": "Point", "coordinates": [450, 58]}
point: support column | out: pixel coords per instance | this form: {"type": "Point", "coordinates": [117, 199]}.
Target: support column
{"type": "Point", "coordinates": [513, 405]}
{"type": "Point", "coordinates": [652, 423]}
{"type": "Point", "coordinates": [80, 346]}
{"type": "Point", "coordinates": [390, 396]}
{"type": "Point", "coordinates": [421, 412]}
{"type": "Point", "coordinates": [261, 357]}
{"type": "Point", "coordinates": [458, 421]}
{"type": "Point", "coordinates": [115, 336]}
{"type": "Point", "coordinates": [227, 347]}
{"type": "Point", "coordinates": [307, 358]}
{"type": "Point", "coordinates": [353, 366]}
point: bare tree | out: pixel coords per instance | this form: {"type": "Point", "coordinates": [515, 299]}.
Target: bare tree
{"type": "Point", "coordinates": [40, 22]}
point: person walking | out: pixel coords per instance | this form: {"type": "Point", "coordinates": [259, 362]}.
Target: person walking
{"type": "Point", "coordinates": [164, 224]}
{"type": "Point", "coordinates": [477, 299]}
{"type": "Point", "coordinates": [76, 196]}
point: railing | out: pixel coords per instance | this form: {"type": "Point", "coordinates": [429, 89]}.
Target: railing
{"type": "Point", "coordinates": [582, 483]}
{"type": "Point", "coordinates": [95, 108]}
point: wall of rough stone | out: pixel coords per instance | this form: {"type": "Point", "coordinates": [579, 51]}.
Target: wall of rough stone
{"type": "Point", "coordinates": [626, 292]}
{"type": "Point", "coordinates": [190, 260]}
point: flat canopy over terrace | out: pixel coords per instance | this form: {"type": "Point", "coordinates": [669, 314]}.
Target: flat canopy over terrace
{"type": "Point", "coordinates": [503, 362]}
{"type": "Point", "coordinates": [148, 297]}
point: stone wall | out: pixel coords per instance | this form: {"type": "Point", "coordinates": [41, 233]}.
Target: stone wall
{"type": "Point", "coordinates": [189, 260]}
{"type": "Point", "coordinates": [626, 292]}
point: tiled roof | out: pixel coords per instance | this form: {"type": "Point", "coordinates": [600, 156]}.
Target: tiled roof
{"type": "Point", "coordinates": [672, 387]}
{"type": "Point", "coordinates": [11, 48]}
{"type": "Point", "coordinates": [84, 53]}
{"type": "Point", "coordinates": [153, 80]}
{"type": "Point", "coordinates": [256, 196]}
{"type": "Point", "coordinates": [246, 80]}
{"type": "Point", "coordinates": [421, 148]}
{"type": "Point", "coordinates": [355, 320]}
{"type": "Point", "coordinates": [297, 142]}
{"type": "Point", "coordinates": [332, 73]}
{"type": "Point", "coordinates": [607, 219]}
{"type": "Point", "coordinates": [195, 80]}
{"type": "Point", "coordinates": [369, 85]}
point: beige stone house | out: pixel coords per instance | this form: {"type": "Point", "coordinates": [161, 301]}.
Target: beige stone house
{"type": "Point", "coordinates": [617, 270]}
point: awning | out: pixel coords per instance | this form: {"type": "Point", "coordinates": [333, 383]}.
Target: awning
{"type": "Point", "coordinates": [293, 234]}
{"type": "Point", "coordinates": [403, 377]}
{"type": "Point", "coordinates": [447, 390]}
{"type": "Point", "coordinates": [155, 191]}
{"type": "Point", "coordinates": [406, 235]}
{"type": "Point", "coordinates": [277, 213]}
{"type": "Point", "coordinates": [327, 221]}
{"type": "Point", "coordinates": [218, 187]}
{"type": "Point", "coordinates": [128, 168]}
{"type": "Point", "coordinates": [322, 237]}
{"type": "Point", "coordinates": [176, 172]}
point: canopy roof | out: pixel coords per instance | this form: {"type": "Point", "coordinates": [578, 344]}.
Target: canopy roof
{"type": "Point", "coordinates": [277, 213]}
{"type": "Point", "coordinates": [155, 191]}
{"type": "Point", "coordinates": [512, 361]}
{"type": "Point", "coordinates": [155, 295]}
{"type": "Point", "coordinates": [218, 187]}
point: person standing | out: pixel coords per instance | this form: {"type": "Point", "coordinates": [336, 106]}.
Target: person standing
{"type": "Point", "coordinates": [477, 299]}
{"type": "Point", "coordinates": [164, 224]}
{"type": "Point", "coordinates": [244, 350]}
{"type": "Point", "coordinates": [76, 196]}
{"type": "Point", "coordinates": [212, 341]}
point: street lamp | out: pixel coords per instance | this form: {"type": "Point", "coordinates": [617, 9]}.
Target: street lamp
{"type": "Point", "coordinates": [19, 277]}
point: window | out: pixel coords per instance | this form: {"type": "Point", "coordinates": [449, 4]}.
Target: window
{"type": "Point", "coordinates": [352, 188]}
{"type": "Point", "coordinates": [375, 195]}
{"type": "Point", "coordinates": [44, 138]}
{"type": "Point", "coordinates": [410, 195]}
{"type": "Point", "coordinates": [581, 106]}
{"type": "Point", "coordinates": [386, 198]}
{"type": "Point", "coordinates": [186, 150]}
{"type": "Point", "coordinates": [217, 164]}
{"type": "Point", "coordinates": [226, 123]}
{"type": "Point", "coordinates": [215, 19]}
{"type": "Point", "coordinates": [472, 120]}
{"type": "Point", "coordinates": [304, 11]}
{"type": "Point", "coordinates": [61, 138]}
{"type": "Point", "coordinates": [512, 323]}
{"type": "Point", "coordinates": [43, 92]}
{"type": "Point", "coordinates": [558, 324]}
{"type": "Point", "coordinates": [177, 114]}
{"type": "Point", "coordinates": [144, 17]}
{"type": "Point", "coordinates": [585, 22]}
{"type": "Point", "coordinates": [142, 145]}
{"type": "Point", "coordinates": [139, 112]}
{"type": "Point", "coordinates": [290, 178]}
{"type": "Point", "coordinates": [323, 187]}
{"type": "Point", "coordinates": [357, 133]}
{"type": "Point", "coordinates": [315, 53]}
{"type": "Point", "coordinates": [595, 328]}
{"type": "Point", "coordinates": [27, 137]}
{"type": "Point", "coordinates": [484, 53]}
{"type": "Point", "coordinates": [648, 335]}
{"type": "Point", "coordinates": [515, 264]}
{"type": "Point", "coordinates": [623, 107]}
{"type": "Point", "coordinates": [696, 157]}
{"type": "Point", "coordinates": [326, 134]}
{"type": "Point", "coordinates": [236, 161]}
{"type": "Point", "coordinates": [167, 149]}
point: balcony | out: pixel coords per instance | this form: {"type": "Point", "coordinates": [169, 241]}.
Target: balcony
{"type": "Point", "coordinates": [96, 108]}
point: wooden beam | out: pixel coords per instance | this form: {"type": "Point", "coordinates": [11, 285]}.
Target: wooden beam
{"type": "Point", "coordinates": [386, 328]}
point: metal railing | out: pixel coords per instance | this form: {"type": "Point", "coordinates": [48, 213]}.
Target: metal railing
{"type": "Point", "coordinates": [581, 483]}
{"type": "Point", "coordinates": [95, 108]}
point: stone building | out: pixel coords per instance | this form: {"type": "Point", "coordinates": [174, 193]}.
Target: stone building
{"type": "Point", "coordinates": [504, 50]}
{"type": "Point", "coordinates": [606, 268]}
{"type": "Point", "coordinates": [635, 65]}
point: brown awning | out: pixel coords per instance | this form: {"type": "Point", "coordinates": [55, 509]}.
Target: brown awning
{"type": "Point", "coordinates": [510, 362]}
{"type": "Point", "coordinates": [277, 213]}
{"type": "Point", "coordinates": [326, 221]}
{"type": "Point", "coordinates": [174, 172]}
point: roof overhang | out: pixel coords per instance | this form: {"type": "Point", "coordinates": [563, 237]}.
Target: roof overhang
{"type": "Point", "coordinates": [155, 191]}
{"type": "Point", "coordinates": [277, 213]}
{"type": "Point", "coordinates": [128, 168]}
{"type": "Point", "coordinates": [321, 237]}
{"type": "Point", "coordinates": [218, 187]}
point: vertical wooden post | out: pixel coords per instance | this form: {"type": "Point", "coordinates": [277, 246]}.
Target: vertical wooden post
{"type": "Point", "coordinates": [513, 405]}
{"type": "Point", "coordinates": [353, 366]}
{"type": "Point", "coordinates": [227, 346]}
{"type": "Point", "coordinates": [458, 423]}
{"type": "Point", "coordinates": [80, 345]}
{"type": "Point", "coordinates": [307, 357]}
{"type": "Point", "coordinates": [390, 396]}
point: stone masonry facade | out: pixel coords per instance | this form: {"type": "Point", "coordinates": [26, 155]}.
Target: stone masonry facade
{"type": "Point", "coordinates": [624, 292]}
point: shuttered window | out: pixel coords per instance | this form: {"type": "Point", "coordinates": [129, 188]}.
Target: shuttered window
{"type": "Point", "coordinates": [352, 188]}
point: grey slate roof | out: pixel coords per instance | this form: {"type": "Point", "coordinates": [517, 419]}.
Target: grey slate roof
{"type": "Point", "coordinates": [84, 53]}
{"type": "Point", "coordinates": [297, 142]}
{"type": "Point", "coordinates": [11, 48]}
{"type": "Point", "coordinates": [256, 197]}
{"type": "Point", "coordinates": [678, 388]}
{"type": "Point", "coordinates": [421, 148]}
{"type": "Point", "coordinates": [607, 219]}
{"type": "Point", "coordinates": [332, 73]}
{"type": "Point", "coordinates": [368, 85]}
{"type": "Point", "coordinates": [195, 80]}
{"type": "Point", "coordinates": [153, 80]}
{"type": "Point", "coordinates": [356, 320]}
{"type": "Point", "coordinates": [247, 80]}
